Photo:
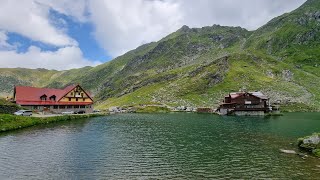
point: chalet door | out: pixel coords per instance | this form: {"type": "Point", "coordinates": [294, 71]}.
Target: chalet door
{"type": "Point", "coordinates": [46, 108]}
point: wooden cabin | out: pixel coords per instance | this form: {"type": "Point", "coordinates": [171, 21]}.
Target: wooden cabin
{"type": "Point", "coordinates": [245, 103]}
{"type": "Point", "coordinates": [72, 98]}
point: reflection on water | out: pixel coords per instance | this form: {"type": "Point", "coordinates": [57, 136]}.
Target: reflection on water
{"type": "Point", "coordinates": [160, 146]}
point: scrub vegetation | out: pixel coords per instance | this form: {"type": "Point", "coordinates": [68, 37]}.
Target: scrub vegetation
{"type": "Point", "coordinates": [8, 107]}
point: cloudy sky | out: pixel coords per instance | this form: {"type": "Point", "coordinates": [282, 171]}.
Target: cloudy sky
{"type": "Point", "coordinates": [64, 34]}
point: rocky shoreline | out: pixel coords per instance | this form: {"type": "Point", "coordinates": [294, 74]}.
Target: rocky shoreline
{"type": "Point", "coordinates": [310, 144]}
{"type": "Point", "coordinates": [159, 108]}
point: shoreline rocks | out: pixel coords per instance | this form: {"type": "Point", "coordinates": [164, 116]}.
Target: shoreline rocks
{"type": "Point", "coordinates": [310, 144]}
{"type": "Point", "coordinates": [288, 151]}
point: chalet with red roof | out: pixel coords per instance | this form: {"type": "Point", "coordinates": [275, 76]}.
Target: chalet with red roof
{"type": "Point", "coordinates": [245, 103]}
{"type": "Point", "coordinates": [72, 98]}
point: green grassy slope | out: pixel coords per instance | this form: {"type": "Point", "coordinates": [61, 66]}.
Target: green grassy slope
{"type": "Point", "coordinates": [198, 66]}
{"type": "Point", "coordinates": [37, 77]}
{"type": "Point", "coordinates": [20, 76]}
{"type": "Point", "coordinates": [280, 59]}
{"type": "Point", "coordinates": [293, 38]}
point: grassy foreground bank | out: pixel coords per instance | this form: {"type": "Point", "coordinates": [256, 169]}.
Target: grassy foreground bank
{"type": "Point", "coordinates": [11, 122]}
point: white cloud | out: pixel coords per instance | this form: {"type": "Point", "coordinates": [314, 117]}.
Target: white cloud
{"type": "Point", "coordinates": [4, 45]}
{"type": "Point", "coordinates": [119, 25]}
{"type": "Point", "coordinates": [31, 19]}
{"type": "Point", "coordinates": [123, 25]}
{"type": "Point", "coordinates": [64, 58]}
{"type": "Point", "coordinates": [250, 14]}
{"type": "Point", "coordinates": [75, 8]}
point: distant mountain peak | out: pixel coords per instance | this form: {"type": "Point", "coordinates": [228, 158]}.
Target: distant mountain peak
{"type": "Point", "coordinates": [184, 28]}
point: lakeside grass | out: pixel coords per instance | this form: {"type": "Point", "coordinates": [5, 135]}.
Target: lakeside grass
{"type": "Point", "coordinates": [11, 122]}
{"type": "Point", "coordinates": [297, 107]}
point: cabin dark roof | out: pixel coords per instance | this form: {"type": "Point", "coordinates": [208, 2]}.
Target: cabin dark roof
{"type": "Point", "coordinates": [257, 94]}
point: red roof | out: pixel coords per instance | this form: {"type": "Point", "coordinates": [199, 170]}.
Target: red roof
{"type": "Point", "coordinates": [25, 95]}
{"type": "Point", "coordinates": [51, 103]}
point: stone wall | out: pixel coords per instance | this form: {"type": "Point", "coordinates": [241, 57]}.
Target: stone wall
{"type": "Point", "coordinates": [249, 113]}
{"type": "Point", "coordinates": [223, 111]}
{"type": "Point", "coordinates": [58, 110]}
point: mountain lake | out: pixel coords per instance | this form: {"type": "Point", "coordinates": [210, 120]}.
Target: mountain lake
{"type": "Point", "coordinates": [161, 146]}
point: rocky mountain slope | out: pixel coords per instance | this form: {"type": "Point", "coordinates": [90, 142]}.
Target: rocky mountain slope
{"type": "Point", "coordinates": [198, 66]}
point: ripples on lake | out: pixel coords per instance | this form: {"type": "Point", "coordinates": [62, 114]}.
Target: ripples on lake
{"type": "Point", "coordinates": [160, 146]}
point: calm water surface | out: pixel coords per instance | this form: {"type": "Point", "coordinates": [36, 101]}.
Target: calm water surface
{"type": "Point", "coordinates": [161, 146]}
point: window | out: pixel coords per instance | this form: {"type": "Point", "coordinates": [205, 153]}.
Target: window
{"type": "Point", "coordinates": [77, 99]}
{"type": "Point", "coordinates": [84, 99]}
{"type": "Point", "coordinates": [78, 94]}
{"type": "Point", "coordinates": [81, 94]}
{"type": "Point", "coordinates": [55, 107]}
{"type": "Point", "coordinates": [52, 98]}
{"type": "Point", "coordinates": [69, 107]}
{"type": "Point", "coordinates": [62, 107]}
{"type": "Point", "coordinates": [71, 93]}
{"type": "Point", "coordinates": [82, 106]}
{"type": "Point", "coordinates": [69, 99]}
{"type": "Point", "coordinates": [43, 97]}
{"type": "Point", "coordinates": [35, 107]}
{"type": "Point", "coordinates": [247, 102]}
{"type": "Point", "coordinates": [76, 106]}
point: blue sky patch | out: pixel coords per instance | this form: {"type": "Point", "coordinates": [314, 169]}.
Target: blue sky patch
{"type": "Point", "coordinates": [81, 32]}
{"type": "Point", "coordinates": [23, 43]}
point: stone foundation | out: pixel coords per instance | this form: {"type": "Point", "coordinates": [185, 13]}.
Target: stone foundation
{"type": "Point", "coordinates": [249, 113]}
{"type": "Point", "coordinates": [59, 109]}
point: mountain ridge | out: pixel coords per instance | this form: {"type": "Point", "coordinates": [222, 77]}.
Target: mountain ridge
{"type": "Point", "coordinates": [198, 66]}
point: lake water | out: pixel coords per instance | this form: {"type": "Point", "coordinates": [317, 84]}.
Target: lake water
{"type": "Point", "coordinates": [161, 146]}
